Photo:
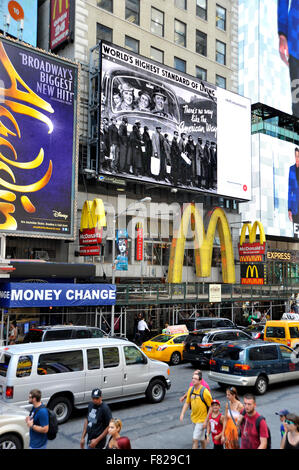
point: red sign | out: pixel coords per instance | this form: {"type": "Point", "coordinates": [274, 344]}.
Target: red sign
{"type": "Point", "coordinates": [252, 249]}
{"type": "Point", "coordinates": [139, 244]}
{"type": "Point", "coordinates": [253, 281]}
{"type": "Point", "coordinates": [59, 22]}
{"type": "Point", "coordinates": [90, 236]}
{"type": "Point", "coordinates": [16, 11]}
{"type": "Point", "coordinates": [90, 250]}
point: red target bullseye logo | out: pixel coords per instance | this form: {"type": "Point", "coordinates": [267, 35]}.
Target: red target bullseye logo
{"type": "Point", "coordinates": [15, 11]}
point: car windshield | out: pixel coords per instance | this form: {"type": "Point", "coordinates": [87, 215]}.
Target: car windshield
{"type": "Point", "coordinates": [135, 94]}
{"type": "Point", "coordinates": [229, 352]}
{"type": "Point", "coordinates": [195, 337]}
{"type": "Point", "coordinates": [161, 338]}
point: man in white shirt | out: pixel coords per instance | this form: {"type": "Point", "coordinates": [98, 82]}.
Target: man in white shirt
{"type": "Point", "coordinates": [141, 327]}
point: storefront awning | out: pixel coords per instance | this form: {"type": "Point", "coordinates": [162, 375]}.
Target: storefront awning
{"type": "Point", "coordinates": [15, 294]}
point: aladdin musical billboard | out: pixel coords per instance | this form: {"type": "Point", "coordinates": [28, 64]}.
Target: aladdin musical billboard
{"type": "Point", "coordinates": [164, 126]}
{"type": "Point", "coordinates": [37, 142]}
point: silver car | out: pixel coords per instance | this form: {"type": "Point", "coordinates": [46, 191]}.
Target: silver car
{"type": "Point", "coordinates": [14, 432]}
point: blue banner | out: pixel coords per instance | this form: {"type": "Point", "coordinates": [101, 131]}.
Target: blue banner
{"type": "Point", "coordinates": [15, 294]}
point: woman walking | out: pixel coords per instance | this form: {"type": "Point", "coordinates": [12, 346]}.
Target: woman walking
{"type": "Point", "coordinates": [232, 415]}
{"type": "Point", "coordinates": [115, 441]}
{"type": "Point", "coordinates": [290, 439]}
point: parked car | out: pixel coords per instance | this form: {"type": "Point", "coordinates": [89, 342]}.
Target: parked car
{"type": "Point", "coordinates": [14, 432]}
{"type": "Point", "coordinates": [198, 323]}
{"type": "Point", "coordinates": [199, 345]}
{"type": "Point", "coordinates": [165, 347]}
{"type": "Point", "coordinates": [283, 331]}
{"type": "Point", "coordinates": [256, 331]}
{"type": "Point", "coordinates": [67, 371]}
{"type": "Point", "coordinates": [59, 332]}
{"type": "Point", "coordinates": [256, 364]}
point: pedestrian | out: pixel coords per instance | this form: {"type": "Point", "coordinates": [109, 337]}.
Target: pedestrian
{"type": "Point", "coordinates": [254, 429]}
{"type": "Point", "coordinates": [114, 440]}
{"type": "Point", "coordinates": [282, 415]}
{"type": "Point", "coordinates": [291, 438]}
{"type": "Point", "coordinates": [215, 425]}
{"type": "Point", "coordinates": [199, 399]}
{"type": "Point", "coordinates": [164, 331]}
{"type": "Point", "coordinates": [232, 414]}
{"type": "Point", "coordinates": [142, 328]}
{"type": "Point", "coordinates": [37, 421]}
{"type": "Point", "coordinates": [13, 333]}
{"type": "Point", "coordinates": [96, 423]}
{"type": "Point", "coordinates": [202, 382]}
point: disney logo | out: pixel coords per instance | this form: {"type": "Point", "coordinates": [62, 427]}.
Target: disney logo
{"type": "Point", "coordinates": [60, 215]}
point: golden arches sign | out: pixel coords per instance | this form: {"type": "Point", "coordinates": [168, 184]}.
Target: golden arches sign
{"type": "Point", "coordinates": [203, 245]}
{"type": "Point", "coordinates": [252, 269]}
{"type": "Point", "coordinates": [93, 215]}
{"type": "Point", "coordinates": [252, 232]}
{"type": "Point", "coordinates": [59, 4]}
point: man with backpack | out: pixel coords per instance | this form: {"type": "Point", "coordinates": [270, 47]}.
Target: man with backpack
{"type": "Point", "coordinates": [255, 433]}
{"type": "Point", "coordinates": [199, 399]}
{"type": "Point", "coordinates": [37, 421]}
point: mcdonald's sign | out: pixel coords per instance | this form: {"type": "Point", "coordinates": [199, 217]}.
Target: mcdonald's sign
{"type": "Point", "coordinates": [252, 254]}
{"type": "Point", "coordinates": [253, 247]}
{"type": "Point", "coordinates": [93, 219]}
{"type": "Point", "coordinates": [253, 274]}
{"type": "Point", "coordinates": [203, 245]}
{"type": "Point", "coordinates": [61, 22]}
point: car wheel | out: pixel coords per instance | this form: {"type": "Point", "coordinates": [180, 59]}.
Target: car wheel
{"type": "Point", "coordinates": [175, 358]}
{"type": "Point", "coordinates": [62, 407]}
{"type": "Point", "coordinates": [10, 441]}
{"type": "Point", "coordinates": [156, 390]}
{"type": "Point", "coordinates": [261, 385]}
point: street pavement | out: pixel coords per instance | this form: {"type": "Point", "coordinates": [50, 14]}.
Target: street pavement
{"type": "Point", "coordinates": [157, 426]}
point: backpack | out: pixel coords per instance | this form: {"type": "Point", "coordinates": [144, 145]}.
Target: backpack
{"type": "Point", "coordinates": [257, 425]}
{"type": "Point", "coordinates": [53, 425]}
{"type": "Point", "coordinates": [201, 393]}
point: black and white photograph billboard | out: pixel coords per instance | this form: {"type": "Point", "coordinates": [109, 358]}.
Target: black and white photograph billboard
{"type": "Point", "coordinates": [160, 125]}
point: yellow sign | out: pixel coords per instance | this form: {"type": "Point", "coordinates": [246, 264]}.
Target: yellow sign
{"type": "Point", "coordinates": [203, 245]}
{"type": "Point", "coordinates": [59, 4]}
{"type": "Point", "coordinates": [93, 214]}
{"type": "Point", "coordinates": [252, 233]}
{"type": "Point", "coordinates": [252, 269]}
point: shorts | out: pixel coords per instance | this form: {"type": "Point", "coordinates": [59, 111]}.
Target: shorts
{"type": "Point", "coordinates": [199, 432]}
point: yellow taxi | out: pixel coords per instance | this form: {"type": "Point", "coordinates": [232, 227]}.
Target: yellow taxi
{"type": "Point", "coordinates": [165, 347]}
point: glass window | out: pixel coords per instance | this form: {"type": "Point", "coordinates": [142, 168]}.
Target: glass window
{"type": "Point", "coordinates": [133, 356]}
{"type": "Point", "coordinates": [201, 43]}
{"type": "Point", "coordinates": [60, 362]}
{"type": "Point", "coordinates": [132, 44]}
{"type": "Point", "coordinates": [96, 333]}
{"type": "Point", "coordinates": [231, 353]}
{"type": "Point", "coordinates": [82, 333]}
{"type": "Point", "coordinates": [104, 33]}
{"type": "Point", "coordinates": [220, 52]}
{"type": "Point", "coordinates": [180, 33]}
{"type": "Point", "coordinates": [181, 4]}
{"type": "Point", "coordinates": [270, 353]}
{"type": "Point", "coordinates": [93, 359]}
{"type": "Point", "coordinates": [201, 73]}
{"type": "Point", "coordinates": [4, 363]}
{"type": "Point", "coordinates": [56, 335]}
{"type": "Point", "coordinates": [220, 17]}
{"type": "Point", "coordinates": [179, 339]}
{"type": "Point", "coordinates": [275, 332]}
{"type": "Point", "coordinates": [106, 5]}
{"type": "Point", "coordinates": [110, 357]}
{"type": "Point", "coordinates": [294, 332]}
{"type": "Point", "coordinates": [180, 64]}
{"type": "Point", "coordinates": [221, 81]}
{"type": "Point", "coordinates": [157, 22]}
{"type": "Point", "coordinates": [256, 354]}
{"type": "Point", "coordinates": [202, 9]}
{"type": "Point", "coordinates": [157, 54]}
{"type": "Point", "coordinates": [24, 366]}
{"type": "Point", "coordinates": [285, 352]}
{"type": "Point", "coordinates": [133, 11]}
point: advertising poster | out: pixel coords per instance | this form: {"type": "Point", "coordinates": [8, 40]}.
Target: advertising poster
{"type": "Point", "coordinates": [122, 250]}
{"type": "Point", "coordinates": [61, 22]}
{"type": "Point", "coordinates": [160, 125]}
{"type": "Point", "coordinates": [22, 18]}
{"type": "Point", "coordinates": [38, 142]}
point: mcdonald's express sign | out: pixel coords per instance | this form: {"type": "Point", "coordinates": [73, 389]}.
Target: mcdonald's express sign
{"type": "Point", "coordinates": [61, 22]}
{"type": "Point", "coordinates": [253, 274]}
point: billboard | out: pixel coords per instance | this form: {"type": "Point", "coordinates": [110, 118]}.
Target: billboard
{"type": "Point", "coordinates": [19, 19]}
{"type": "Point", "coordinates": [164, 126]}
{"type": "Point", "coordinates": [38, 142]}
{"type": "Point", "coordinates": [61, 22]}
{"type": "Point", "coordinates": [275, 191]}
{"type": "Point", "coordinates": [268, 53]}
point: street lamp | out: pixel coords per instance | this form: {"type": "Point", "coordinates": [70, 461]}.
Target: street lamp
{"type": "Point", "coordinates": [145, 199]}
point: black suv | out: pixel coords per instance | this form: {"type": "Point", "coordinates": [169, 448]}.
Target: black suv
{"type": "Point", "coordinates": [200, 345]}
{"type": "Point", "coordinates": [56, 333]}
{"type": "Point", "coordinates": [208, 322]}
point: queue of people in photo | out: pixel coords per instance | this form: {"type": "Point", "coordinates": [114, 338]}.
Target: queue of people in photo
{"type": "Point", "coordinates": [177, 159]}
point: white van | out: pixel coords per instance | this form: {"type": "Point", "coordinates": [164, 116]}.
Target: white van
{"type": "Point", "coordinates": [67, 371]}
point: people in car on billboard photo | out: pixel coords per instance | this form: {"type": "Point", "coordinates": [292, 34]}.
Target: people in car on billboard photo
{"type": "Point", "coordinates": [155, 130]}
{"type": "Point", "coordinates": [293, 193]}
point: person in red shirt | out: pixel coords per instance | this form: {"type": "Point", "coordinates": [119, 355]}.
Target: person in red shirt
{"type": "Point", "coordinates": [215, 425]}
{"type": "Point", "coordinates": [250, 438]}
